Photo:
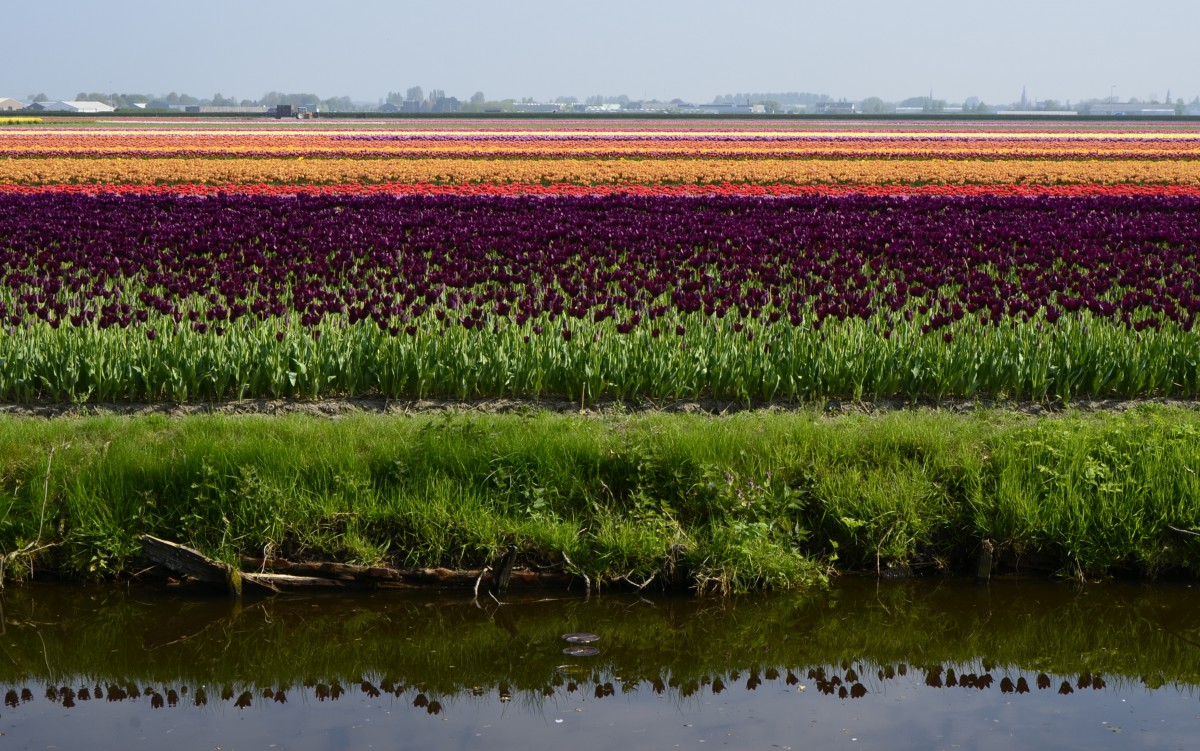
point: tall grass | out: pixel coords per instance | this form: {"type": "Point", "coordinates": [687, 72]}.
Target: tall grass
{"type": "Point", "coordinates": [752, 500]}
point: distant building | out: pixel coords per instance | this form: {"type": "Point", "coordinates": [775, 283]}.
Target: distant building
{"type": "Point", "coordinates": [78, 107]}
{"type": "Point", "coordinates": [837, 108]}
{"type": "Point", "coordinates": [1127, 109]}
{"type": "Point", "coordinates": [723, 109]}
{"type": "Point", "coordinates": [212, 109]}
{"type": "Point", "coordinates": [537, 107]}
{"type": "Point", "coordinates": [163, 104]}
{"type": "Point", "coordinates": [1037, 113]}
{"type": "Point", "coordinates": [8, 105]}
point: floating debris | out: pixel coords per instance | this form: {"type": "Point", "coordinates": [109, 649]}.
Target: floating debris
{"type": "Point", "coordinates": [581, 651]}
{"type": "Point", "coordinates": [581, 638]}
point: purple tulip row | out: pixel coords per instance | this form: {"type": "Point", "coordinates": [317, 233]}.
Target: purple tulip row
{"type": "Point", "coordinates": [116, 260]}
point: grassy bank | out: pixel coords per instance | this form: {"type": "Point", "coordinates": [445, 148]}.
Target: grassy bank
{"type": "Point", "coordinates": [740, 502]}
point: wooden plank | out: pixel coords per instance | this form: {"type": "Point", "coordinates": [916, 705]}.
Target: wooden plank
{"type": "Point", "coordinates": [983, 568]}
{"type": "Point", "coordinates": [502, 573]}
{"type": "Point", "coordinates": [186, 561]}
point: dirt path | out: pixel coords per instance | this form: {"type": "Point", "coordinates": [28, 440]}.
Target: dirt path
{"type": "Point", "coordinates": [333, 408]}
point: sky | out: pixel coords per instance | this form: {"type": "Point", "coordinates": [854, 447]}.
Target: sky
{"type": "Point", "coordinates": [646, 49]}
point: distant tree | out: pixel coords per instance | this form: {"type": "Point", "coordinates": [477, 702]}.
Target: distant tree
{"type": "Point", "coordinates": [337, 104]}
{"type": "Point", "coordinates": [565, 100]}
{"type": "Point", "coordinates": [274, 98]}
{"type": "Point", "coordinates": [415, 94]}
{"type": "Point", "coordinates": [477, 103]}
{"type": "Point", "coordinates": [925, 103]}
{"type": "Point", "coordinates": [394, 97]}
{"type": "Point", "coordinates": [771, 106]}
{"type": "Point", "coordinates": [873, 105]}
{"type": "Point", "coordinates": [38, 98]}
{"type": "Point", "coordinates": [783, 97]}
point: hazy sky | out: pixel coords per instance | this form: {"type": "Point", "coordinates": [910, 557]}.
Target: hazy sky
{"type": "Point", "coordinates": [692, 49]}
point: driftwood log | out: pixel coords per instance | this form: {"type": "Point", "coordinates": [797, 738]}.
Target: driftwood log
{"type": "Point", "coordinates": [273, 575]}
{"type": "Point", "coordinates": [395, 578]}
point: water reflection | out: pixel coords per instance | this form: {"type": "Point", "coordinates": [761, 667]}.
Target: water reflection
{"type": "Point", "coordinates": [72, 647]}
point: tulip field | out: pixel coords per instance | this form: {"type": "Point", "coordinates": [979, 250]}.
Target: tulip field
{"type": "Point", "coordinates": [741, 260]}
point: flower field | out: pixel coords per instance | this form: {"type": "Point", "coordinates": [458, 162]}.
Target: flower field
{"type": "Point", "coordinates": [589, 260]}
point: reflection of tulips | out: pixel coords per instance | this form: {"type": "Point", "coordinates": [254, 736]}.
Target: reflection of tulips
{"type": "Point", "coordinates": [843, 686]}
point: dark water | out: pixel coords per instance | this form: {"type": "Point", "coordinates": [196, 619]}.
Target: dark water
{"type": "Point", "coordinates": [898, 666]}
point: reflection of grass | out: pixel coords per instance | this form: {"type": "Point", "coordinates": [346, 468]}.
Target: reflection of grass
{"type": "Point", "coordinates": [736, 503]}
{"type": "Point", "coordinates": [403, 646]}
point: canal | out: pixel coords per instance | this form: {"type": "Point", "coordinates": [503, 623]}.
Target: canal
{"type": "Point", "coordinates": [863, 665]}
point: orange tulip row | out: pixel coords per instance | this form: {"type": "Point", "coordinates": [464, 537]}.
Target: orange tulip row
{"type": "Point", "coordinates": [125, 170]}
